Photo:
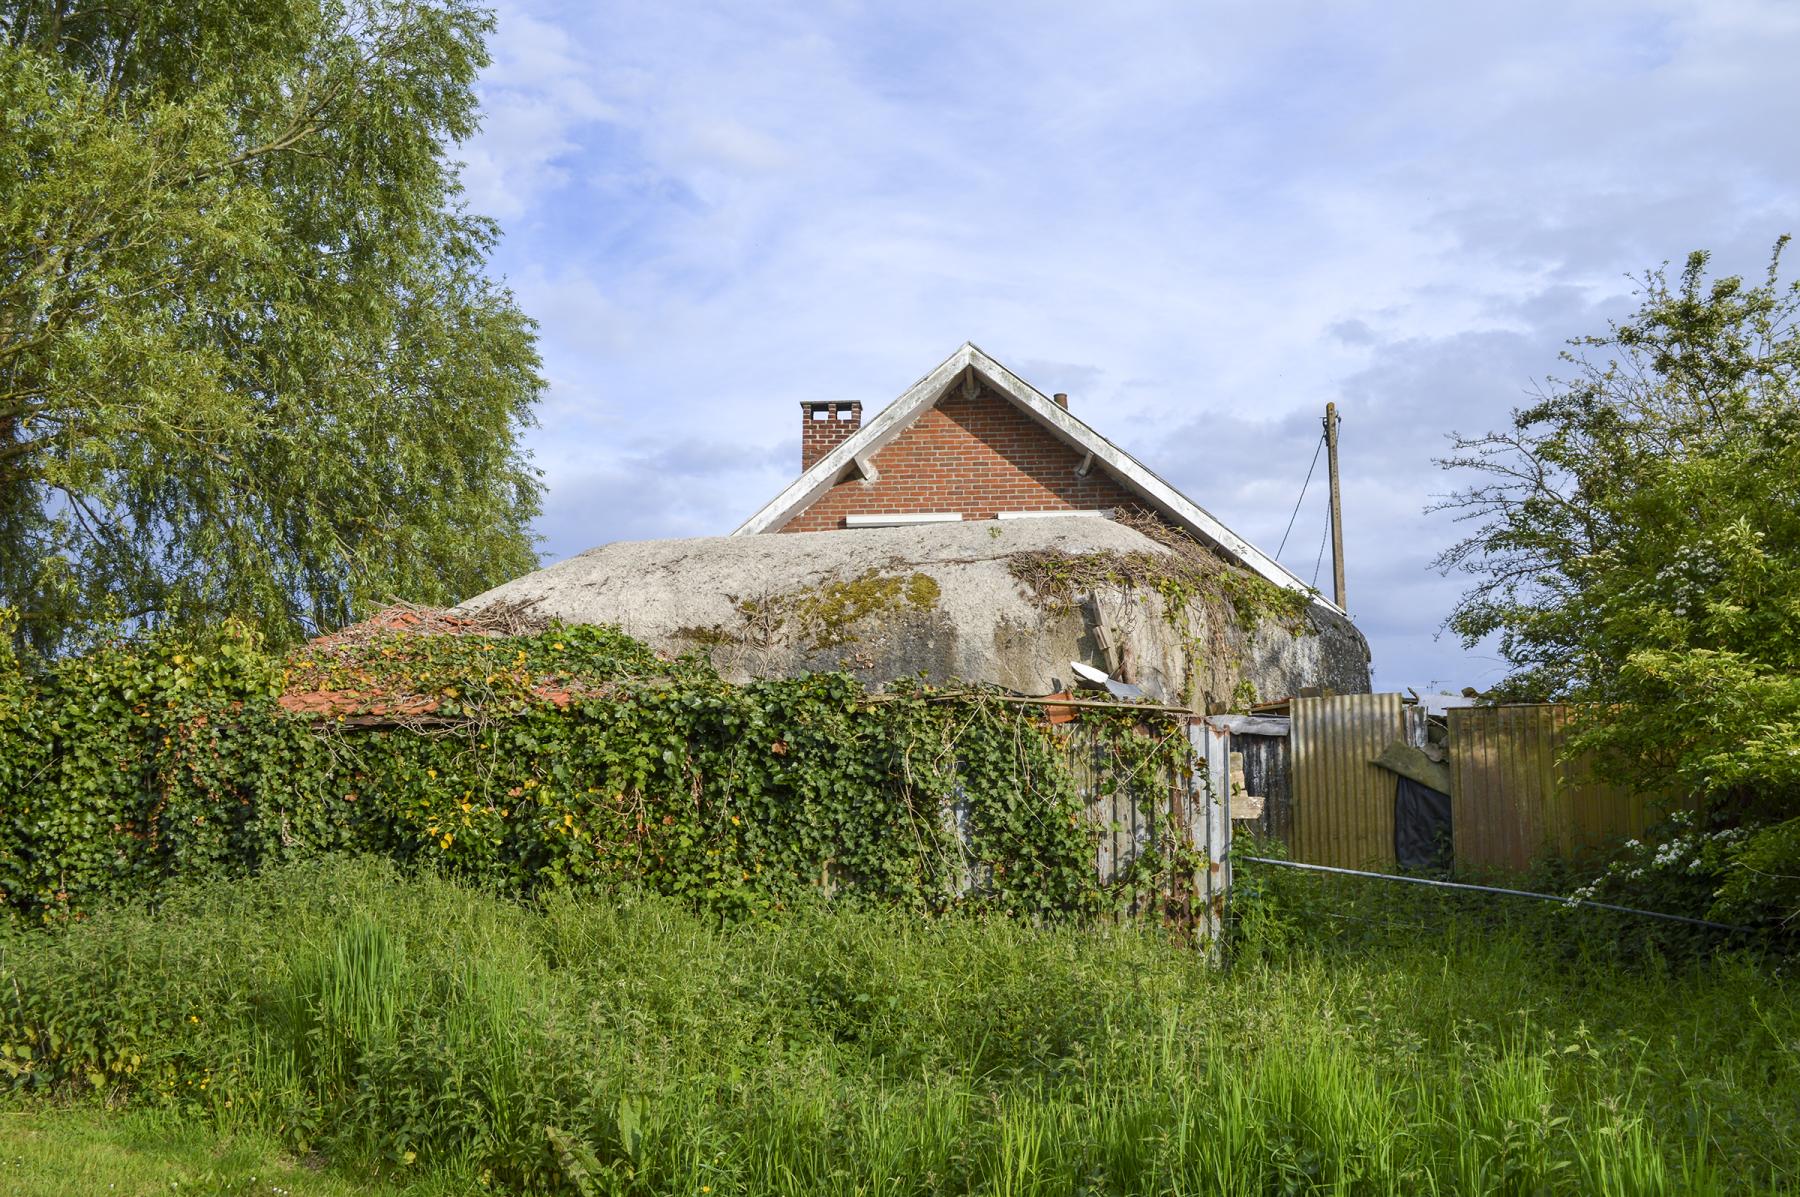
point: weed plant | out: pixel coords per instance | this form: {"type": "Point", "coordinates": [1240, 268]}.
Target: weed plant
{"type": "Point", "coordinates": [590, 1045]}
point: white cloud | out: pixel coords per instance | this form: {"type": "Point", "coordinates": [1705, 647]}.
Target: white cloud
{"type": "Point", "coordinates": [537, 97]}
{"type": "Point", "coordinates": [1202, 221]}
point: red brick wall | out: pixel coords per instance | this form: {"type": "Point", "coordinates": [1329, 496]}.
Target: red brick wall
{"type": "Point", "coordinates": [976, 456]}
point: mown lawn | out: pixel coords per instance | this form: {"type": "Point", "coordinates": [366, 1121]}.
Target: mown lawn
{"type": "Point", "coordinates": [409, 1028]}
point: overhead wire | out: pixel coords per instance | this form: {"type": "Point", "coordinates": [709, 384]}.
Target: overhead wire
{"type": "Point", "coordinates": [1302, 498]}
{"type": "Point", "coordinates": [1320, 560]}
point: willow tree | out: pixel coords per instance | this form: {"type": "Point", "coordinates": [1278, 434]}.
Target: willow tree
{"type": "Point", "coordinates": [251, 361]}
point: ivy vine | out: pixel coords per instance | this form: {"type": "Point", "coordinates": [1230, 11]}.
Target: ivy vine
{"type": "Point", "coordinates": [570, 757]}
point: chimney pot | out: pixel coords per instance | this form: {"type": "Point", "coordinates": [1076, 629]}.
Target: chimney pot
{"type": "Point", "coordinates": [1062, 400]}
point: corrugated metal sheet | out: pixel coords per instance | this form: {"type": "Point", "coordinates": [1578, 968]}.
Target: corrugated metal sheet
{"type": "Point", "coordinates": [1512, 801]}
{"type": "Point", "coordinates": [1343, 806]}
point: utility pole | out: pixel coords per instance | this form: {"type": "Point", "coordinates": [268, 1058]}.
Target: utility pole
{"type": "Point", "coordinates": [1337, 510]}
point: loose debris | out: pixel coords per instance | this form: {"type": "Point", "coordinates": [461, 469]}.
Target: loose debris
{"type": "Point", "coordinates": [515, 618]}
{"type": "Point", "coordinates": [379, 672]}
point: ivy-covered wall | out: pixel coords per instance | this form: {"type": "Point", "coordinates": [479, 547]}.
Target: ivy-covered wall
{"type": "Point", "coordinates": [569, 757]}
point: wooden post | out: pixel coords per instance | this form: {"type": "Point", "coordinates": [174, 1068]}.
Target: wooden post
{"type": "Point", "coordinates": [1209, 831]}
{"type": "Point", "coordinates": [1337, 509]}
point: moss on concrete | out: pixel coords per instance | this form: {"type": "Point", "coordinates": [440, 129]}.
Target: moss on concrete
{"type": "Point", "coordinates": [837, 611]}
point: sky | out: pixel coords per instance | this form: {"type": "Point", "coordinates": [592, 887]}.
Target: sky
{"type": "Point", "coordinates": [1203, 221]}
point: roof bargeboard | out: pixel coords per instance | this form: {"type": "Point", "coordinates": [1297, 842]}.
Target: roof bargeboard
{"type": "Point", "coordinates": [1133, 474]}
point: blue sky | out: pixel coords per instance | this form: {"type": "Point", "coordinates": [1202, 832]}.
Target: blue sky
{"type": "Point", "coordinates": [1203, 221]}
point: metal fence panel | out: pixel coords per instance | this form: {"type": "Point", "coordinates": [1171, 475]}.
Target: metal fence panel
{"type": "Point", "coordinates": [1511, 799]}
{"type": "Point", "coordinates": [1343, 806]}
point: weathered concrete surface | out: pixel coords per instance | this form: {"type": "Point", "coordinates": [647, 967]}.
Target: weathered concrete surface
{"type": "Point", "coordinates": [938, 600]}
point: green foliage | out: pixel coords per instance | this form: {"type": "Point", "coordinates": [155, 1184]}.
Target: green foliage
{"type": "Point", "coordinates": [1639, 552]}
{"type": "Point", "coordinates": [408, 1026]}
{"type": "Point", "coordinates": [569, 758]}
{"type": "Point", "coordinates": [250, 362]}
{"type": "Point", "coordinates": [1269, 906]}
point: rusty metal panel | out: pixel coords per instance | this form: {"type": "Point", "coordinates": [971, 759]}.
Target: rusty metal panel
{"type": "Point", "coordinates": [1343, 806]}
{"type": "Point", "coordinates": [1266, 775]}
{"type": "Point", "coordinates": [1513, 801]}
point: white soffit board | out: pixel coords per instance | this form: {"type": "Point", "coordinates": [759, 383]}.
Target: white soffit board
{"type": "Point", "coordinates": [1133, 474]}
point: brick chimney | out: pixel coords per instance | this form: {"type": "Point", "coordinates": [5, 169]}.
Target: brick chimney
{"type": "Point", "coordinates": [824, 426]}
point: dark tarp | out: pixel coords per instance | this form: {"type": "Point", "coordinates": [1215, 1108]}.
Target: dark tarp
{"type": "Point", "coordinates": [1402, 758]}
{"type": "Point", "coordinates": [1421, 826]}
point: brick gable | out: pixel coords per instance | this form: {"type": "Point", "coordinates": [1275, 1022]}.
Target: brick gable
{"type": "Point", "coordinates": [976, 456]}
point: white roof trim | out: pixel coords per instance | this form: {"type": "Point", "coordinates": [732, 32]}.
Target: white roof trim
{"type": "Point", "coordinates": [1136, 477]}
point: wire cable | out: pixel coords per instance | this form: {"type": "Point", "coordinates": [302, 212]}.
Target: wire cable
{"type": "Point", "coordinates": [1321, 558]}
{"type": "Point", "coordinates": [1494, 889]}
{"type": "Point", "coordinates": [1302, 498]}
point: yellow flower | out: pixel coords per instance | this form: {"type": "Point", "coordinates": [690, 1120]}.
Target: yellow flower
{"type": "Point", "coordinates": [449, 838]}
{"type": "Point", "coordinates": [431, 772]}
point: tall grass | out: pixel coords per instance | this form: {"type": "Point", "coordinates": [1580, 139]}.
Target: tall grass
{"type": "Point", "coordinates": [630, 1047]}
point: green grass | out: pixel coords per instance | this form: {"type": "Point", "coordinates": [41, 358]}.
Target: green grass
{"type": "Point", "coordinates": [62, 1152]}
{"type": "Point", "coordinates": [409, 1028]}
